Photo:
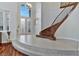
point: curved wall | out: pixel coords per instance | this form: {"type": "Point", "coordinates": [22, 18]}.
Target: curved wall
{"type": "Point", "coordinates": [69, 29]}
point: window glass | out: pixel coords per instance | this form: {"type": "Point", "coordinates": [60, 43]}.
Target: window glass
{"type": "Point", "coordinates": [25, 11]}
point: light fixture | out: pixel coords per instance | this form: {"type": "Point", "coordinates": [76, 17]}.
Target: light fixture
{"type": "Point", "coordinates": [30, 6]}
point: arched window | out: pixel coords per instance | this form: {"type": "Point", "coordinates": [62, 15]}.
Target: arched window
{"type": "Point", "coordinates": [25, 10]}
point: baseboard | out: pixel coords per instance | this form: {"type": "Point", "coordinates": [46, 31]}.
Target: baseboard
{"type": "Point", "coordinates": [68, 38]}
{"type": "Point", "coordinates": [5, 43]}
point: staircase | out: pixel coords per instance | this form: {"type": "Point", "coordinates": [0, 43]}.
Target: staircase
{"type": "Point", "coordinates": [63, 15]}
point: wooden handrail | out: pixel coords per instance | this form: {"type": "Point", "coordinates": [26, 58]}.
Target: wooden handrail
{"type": "Point", "coordinates": [58, 15]}
{"type": "Point", "coordinates": [74, 6]}
{"type": "Point", "coordinates": [72, 3]}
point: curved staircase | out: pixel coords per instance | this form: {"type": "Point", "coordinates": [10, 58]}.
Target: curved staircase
{"type": "Point", "coordinates": [50, 31]}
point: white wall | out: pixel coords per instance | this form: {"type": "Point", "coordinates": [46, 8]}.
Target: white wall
{"type": "Point", "coordinates": [69, 29]}
{"type": "Point", "coordinates": [12, 7]}
{"type": "Point", "coordinates": [33, 17]}
{"type": "Point", "coordinates": [49, 12]}
{"type": "Point", "coordinates": [38, 18]}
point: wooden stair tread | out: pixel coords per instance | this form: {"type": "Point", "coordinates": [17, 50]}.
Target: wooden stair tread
{"type": "Point", "coordinates": [48, 37]}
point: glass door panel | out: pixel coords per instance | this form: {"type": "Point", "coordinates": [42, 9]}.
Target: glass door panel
{"type": "Point", "coordinates": [25, 26]}
{"type": "Point", "coordinates": [22, 26]}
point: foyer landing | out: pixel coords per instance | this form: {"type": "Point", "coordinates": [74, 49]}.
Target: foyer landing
{"type": "Point", "coordinates": [8, 50]}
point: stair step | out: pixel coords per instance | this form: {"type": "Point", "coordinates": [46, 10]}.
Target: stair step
{"type": "Point", "coordinates": [48, 37]}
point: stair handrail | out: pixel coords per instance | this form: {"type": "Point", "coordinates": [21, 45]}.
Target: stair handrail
{"type": "Point", "coordinates": [58, 15]}
{"type": "Point", "coordinates": [74, 6]}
